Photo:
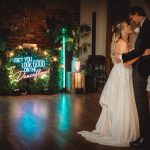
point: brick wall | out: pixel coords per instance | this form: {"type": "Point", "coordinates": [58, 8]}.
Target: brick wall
{"type": "Point", "coordinates": [26, 19]}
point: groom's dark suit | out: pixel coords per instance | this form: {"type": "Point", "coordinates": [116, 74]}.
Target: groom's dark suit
{"type": "Point", "coordinates": [141, 70]}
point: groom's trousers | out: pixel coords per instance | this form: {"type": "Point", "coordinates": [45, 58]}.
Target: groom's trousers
{"type": "Point", "coordinates": [141, 97]}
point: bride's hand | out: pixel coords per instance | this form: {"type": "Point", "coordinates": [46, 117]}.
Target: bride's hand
{"type": "Point", "coordinates": [117, 58]}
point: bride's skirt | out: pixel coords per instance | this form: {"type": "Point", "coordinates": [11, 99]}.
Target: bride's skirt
{"type": "Point", "coordinates": [118, 123]}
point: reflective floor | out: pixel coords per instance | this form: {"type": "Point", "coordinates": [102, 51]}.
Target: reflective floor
{"type": "Point", "coordinates": [49, 122]}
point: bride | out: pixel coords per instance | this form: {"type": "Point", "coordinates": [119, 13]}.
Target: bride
{"type": "Point", "coordinates": [118, 123]}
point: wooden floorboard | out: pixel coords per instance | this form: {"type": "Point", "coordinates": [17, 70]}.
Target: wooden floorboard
{"type": "Point", "coordinates": [49, 122]}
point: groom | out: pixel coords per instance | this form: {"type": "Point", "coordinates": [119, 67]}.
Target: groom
{"type": "Point", "coordinates": [141, 70]}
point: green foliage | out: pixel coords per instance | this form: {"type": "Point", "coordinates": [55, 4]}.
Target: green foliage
{"type": "Point", "coordinates": [4, 83]}
{"type": "Point", "coordinates": [46, 83]}
{"type": "Point", "coordinates": [57, 76]}
{"type": "Point", "coordinates": [75, 38]}
{"type": "Point", "coordinates": [76, 41]}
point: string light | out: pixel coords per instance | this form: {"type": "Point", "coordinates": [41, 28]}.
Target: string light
{"type": "Point", "coordinates": [11, 54]}
{"type": "Point", "coordinates": [59, 48]}
{"type": "Point", "coordinates": [55, 59]}
{"type": "Point", "coordinates": [45, 52]}
{"type": "Point", "coordinates": [35, 48]}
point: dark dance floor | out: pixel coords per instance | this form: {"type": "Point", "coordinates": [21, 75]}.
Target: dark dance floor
{"type": "Point", "coordinates": [49, 122]}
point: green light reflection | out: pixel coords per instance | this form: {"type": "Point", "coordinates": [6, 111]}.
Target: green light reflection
{"type": "Point", "coordinates": [64, 113]}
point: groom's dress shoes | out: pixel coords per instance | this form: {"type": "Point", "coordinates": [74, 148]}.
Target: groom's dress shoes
{"type": "Point", "coordinates": [139, 142]}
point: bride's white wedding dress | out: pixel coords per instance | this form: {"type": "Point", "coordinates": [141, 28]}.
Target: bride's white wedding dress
{"type": "Point", "coordinates": [118, 123]}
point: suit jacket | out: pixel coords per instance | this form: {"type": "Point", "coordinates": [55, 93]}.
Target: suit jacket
{"type": "Point", "coordinates": [142, 42]}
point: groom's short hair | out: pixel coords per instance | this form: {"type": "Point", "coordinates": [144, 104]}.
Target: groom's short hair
{"type": "Point", "coordinates": [137, 9]}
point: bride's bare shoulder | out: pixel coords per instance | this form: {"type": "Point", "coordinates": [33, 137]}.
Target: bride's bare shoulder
{"type": "Point", "coordinates": [122, 46]}
{"type": "Point", "coordinates": [122, 42]}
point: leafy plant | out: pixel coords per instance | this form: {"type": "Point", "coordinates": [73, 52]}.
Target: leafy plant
{"type": "Point", "coordinates": [76, 40]}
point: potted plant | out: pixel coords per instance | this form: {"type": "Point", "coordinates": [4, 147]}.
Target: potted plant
{"type": "Point", "coordinates": [77, 43]}
{"type": "Point", "coordinates": [75, 40]}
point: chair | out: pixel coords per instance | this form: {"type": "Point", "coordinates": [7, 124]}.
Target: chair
{"type": "Point", "coordinates": [96, 66]}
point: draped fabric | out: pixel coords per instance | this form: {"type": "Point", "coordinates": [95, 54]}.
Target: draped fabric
{"type": "Point", "coordinates": [118, 123]}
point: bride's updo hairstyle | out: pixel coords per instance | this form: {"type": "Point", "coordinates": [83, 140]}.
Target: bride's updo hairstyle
{"type": "Point", "coordinates": [118, 33]}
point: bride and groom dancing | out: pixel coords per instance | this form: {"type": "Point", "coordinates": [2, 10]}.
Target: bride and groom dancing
{"type": "Point", "coordinates": [124, 119]}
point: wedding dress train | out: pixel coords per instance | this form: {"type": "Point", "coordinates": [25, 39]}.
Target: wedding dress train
{"type": "Point", "coordinates": [118, 123]}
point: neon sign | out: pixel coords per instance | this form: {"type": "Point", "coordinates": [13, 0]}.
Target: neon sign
{"type": "Point", "coordinates": [34, 71]}
{"type": "Point", "coordinates": [21, 75]}
{"type": "Point", "coordinates": [29, 64]}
